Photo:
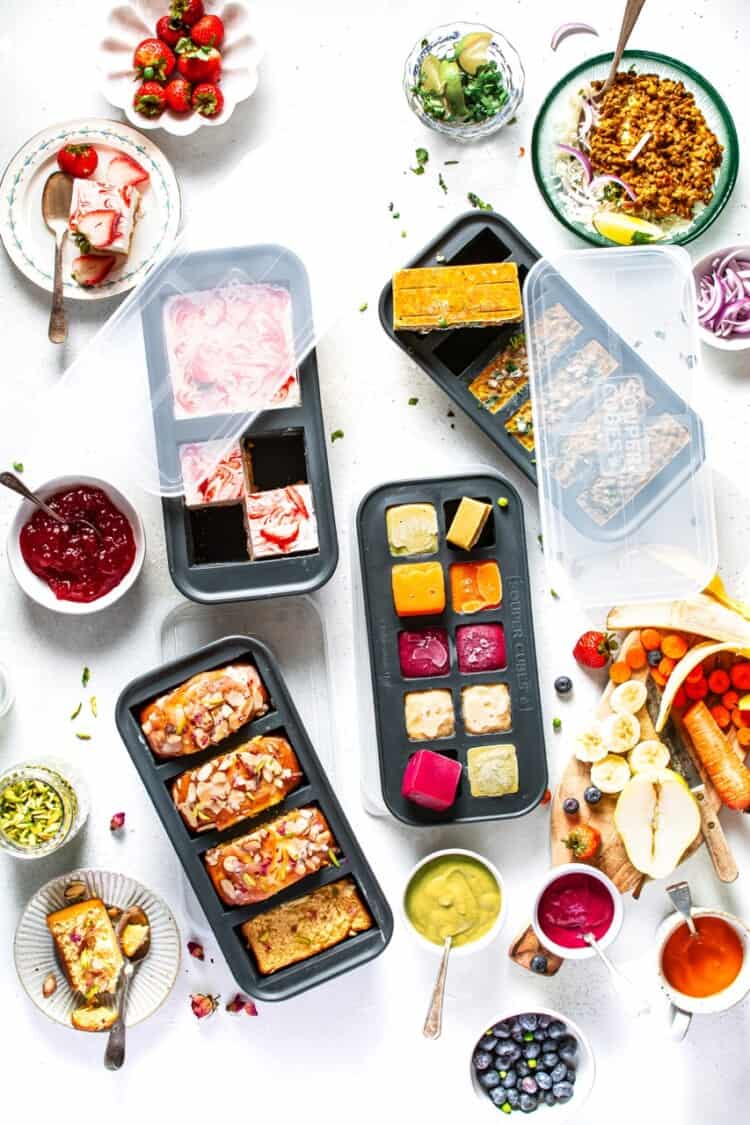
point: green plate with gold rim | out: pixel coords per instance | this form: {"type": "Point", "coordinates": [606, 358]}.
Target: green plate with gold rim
{"type": "Point", "coordinates": [550, 122]}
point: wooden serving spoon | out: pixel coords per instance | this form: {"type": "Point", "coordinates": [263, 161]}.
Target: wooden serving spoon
{"type": "Point", "coordinates": [629, 18]}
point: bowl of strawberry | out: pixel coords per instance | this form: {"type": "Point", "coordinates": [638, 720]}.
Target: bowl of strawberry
{"type": "Point", "coordinates": [178, 65]}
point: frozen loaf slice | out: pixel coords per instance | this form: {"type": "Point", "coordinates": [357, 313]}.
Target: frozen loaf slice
{"type": "Point", "coordinates": [456, 297]}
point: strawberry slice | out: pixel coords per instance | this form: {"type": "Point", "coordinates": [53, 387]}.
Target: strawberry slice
{"type": "Point", "coordinates": [91, 269]}
{"type": "Point", "coordinates": [123, 171]}
{"type": "Point", "coordinates": [99, 228]}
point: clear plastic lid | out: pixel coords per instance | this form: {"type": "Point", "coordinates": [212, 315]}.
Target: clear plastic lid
{"type": "Point", "coordinates": [624, 488]}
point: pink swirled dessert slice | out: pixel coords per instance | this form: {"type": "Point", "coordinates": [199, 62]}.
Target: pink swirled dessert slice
{"type": "Point", "coordinates": [231, 350]}
{"type": "Point", "coordinates": [212, 474]}
{"type": "Point", "coordinates": [281, 521]}
{"type": "Point", "coordinates": [103, 217]}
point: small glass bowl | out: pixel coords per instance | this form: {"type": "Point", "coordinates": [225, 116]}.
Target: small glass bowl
{"type": "Point", "coordinates": [440, 42]}
{"type": "Point", "coordinates": [68, 786]}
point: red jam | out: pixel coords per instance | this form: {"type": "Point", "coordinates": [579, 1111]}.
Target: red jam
{"type": "Point", "coordinates": [574, 905]}
{"type": "Point", "coordinates": [77, 564]}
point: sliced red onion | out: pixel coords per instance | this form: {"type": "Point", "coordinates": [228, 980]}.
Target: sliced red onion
{"type": "Point", "coordinates": [638, 148]}
{"type": "Point", "coordinates": [582, 159]}
{"type": "Point", "coordinates": [565, 29]}
{"type": "Point", "coordinates": [723, 303]}
{"type": "Point", "coordinates": [600, 181]}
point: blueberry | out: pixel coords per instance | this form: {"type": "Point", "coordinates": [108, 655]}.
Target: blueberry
{"type": "Point", "coordinates": [568, 1056]}
{"type": "Point", "coordinates": [498, 1096]}
{"type": "Point", "coordinates": [528, 1085]}
{"type": "Point", "coordinates": [550, 1059]}
{"type": "Point", "coordinates": [571, 806]}
{"type": "Point", "coordinates": [528, 1021]}
{"type": "Point", "coordinates": [563, 685]}
{"type": "Point", "coordinates": [510, 1080]}
{"type": "Point", "coordinates": [507, 1053]}
{"type": "Point", "coordinates": [522, 1068]}
{"type": "Point", "coordinates": [482, 1060]}
{"type": "Point", "coordinates": [512, 1097]}
{"type": "Point", "coordinates": [545, 1021]}
{"type": "Point", "coordinates": [517, 1036]}
{"type": "Point", "coordinates": [549, 1098]}
{"type": "Point", "coordinates": [539, 1035]}
{"type": "Point", "coordinates": [559, 1073]}
{"type": "Point", "coordinates": [543, 1080]}
{"type": "Point", "coordinates": [528, 1103]}
{"type": "Point", "coordinates": [654, 657]}
{"type": "Point", "coordinates": [571, 1077]}
{"type": "Point", "coordinates": [532, 1051]}
{"type": "Point", "coordinates": [556, 1029]}
{"type": "Point", "coordinates": [515, 1027]}
{"type": "Point", "coordinates": [487, 1042]}
{"type": "Point", "coordinates": [563, 1091]}
{"type": "Point", "coordinates": [592, 795]}
{"type": "Point", "coordinates": [539, 963]}
{"type": "Point", "coordinates": [501, 1031]}
{"type": "Point", "coordinates": [489, 1079]}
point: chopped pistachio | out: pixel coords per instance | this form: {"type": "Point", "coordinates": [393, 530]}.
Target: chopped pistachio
{"type": "Point", "coordinates": [85, 676]}
{"type": "Point", "coordinates": [76, 713]}
{"type": "Point", "coordinates": [363, 307]}
{"type": "Point", "coordinates": [83, 736]}
{"type": "Point", "coordinates": [92, 704]}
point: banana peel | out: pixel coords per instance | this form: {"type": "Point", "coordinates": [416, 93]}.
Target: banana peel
{"type": "Point", "coordinates": [703, 615]}
{"type": "Point", "coordinates": [717, 590]}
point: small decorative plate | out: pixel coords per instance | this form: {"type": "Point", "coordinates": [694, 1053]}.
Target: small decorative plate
{"type": "Point", "coordinates": [128, 23]}
{"type": "Point", "coordinates": [34, 950]}
{"type": "Point", "coordinates": [31, 246]}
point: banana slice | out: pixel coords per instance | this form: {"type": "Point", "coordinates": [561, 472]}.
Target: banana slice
{"type": "Point", "coordinates": [628, 698]}
{"type": "Point", "coordinates": [649, 755]}
{"type": "Point", "coordinates": [589, 743]}
{"type": "Point", "coordinates": [611, 774]}
{"type": "Point", "coordinates": [621, 733]}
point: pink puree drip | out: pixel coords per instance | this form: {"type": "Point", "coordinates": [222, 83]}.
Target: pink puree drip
{"type": "Point", "coordinates": [573, 905]}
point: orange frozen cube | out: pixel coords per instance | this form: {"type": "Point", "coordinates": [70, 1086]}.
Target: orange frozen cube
{"type": "Point", "coordinates": [418, 589]}
{"type": "Point", "coordinates": [475, 586]}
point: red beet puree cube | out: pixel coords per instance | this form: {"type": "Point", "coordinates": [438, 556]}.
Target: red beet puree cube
{"type": "Point", "coordinates": [480, 648]}
{"type": "Point", "coordinates": [423, 652]}
{"type": "Point", "coordinates": [431, 780]}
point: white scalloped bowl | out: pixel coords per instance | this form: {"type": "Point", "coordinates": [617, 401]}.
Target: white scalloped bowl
{"type": "Point", "coordinates": [127, 24]}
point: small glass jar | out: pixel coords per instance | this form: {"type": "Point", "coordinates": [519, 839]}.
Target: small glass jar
{"type": "Point", "coordinates": [441, 41]}
{"type": "Point", "coordinates": [43, 805]}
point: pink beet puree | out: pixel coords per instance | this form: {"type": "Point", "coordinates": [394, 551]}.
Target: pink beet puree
{"type": "Point", "coordinates": [431, 780]}
{"type": "Point", "coordinates": [573, 905]}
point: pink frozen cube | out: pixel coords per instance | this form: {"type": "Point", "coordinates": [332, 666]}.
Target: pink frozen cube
{"type": "Point", "coordinates": [431, 780]}
{"type": "Point", "coordinates": [480, 648]}
{"type": "Point", "coordinates": [423, 652]}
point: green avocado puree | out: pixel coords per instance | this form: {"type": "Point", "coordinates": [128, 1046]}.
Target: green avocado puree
{"type": "Point", "coordinates": [453, 895]}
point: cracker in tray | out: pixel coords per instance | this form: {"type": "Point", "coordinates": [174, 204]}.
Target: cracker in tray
{"type": "Point", "coordinates": [456, 297]}
{"type": "Point", "coordinates": [503, 376]}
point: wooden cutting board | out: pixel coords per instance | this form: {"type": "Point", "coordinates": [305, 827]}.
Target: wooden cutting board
{"type": "Point", "coordinates": [612, 858]}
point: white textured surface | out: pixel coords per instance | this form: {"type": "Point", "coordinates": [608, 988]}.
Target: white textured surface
{"type": "Point", "coordinates": [353, 1051]}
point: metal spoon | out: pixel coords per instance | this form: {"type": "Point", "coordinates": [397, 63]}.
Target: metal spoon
{"type": "Point", "coordinates": [15, 484]}
{"type": "Point", "coordinates": [56, 197]}
{"type": "Point", "coordinates": [629, 18]}
{"type": "Point", "coordinates": [635, 1003]}
{"type": "Point", "coordinates": [433, 1025]}
{"type": "Point", "coordinates": [682, 901]}
{"type": "Point", "coordinates": [114, 1055]}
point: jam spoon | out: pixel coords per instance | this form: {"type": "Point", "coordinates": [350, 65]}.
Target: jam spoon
{"type": "Point", "coordinates": [11, 481]}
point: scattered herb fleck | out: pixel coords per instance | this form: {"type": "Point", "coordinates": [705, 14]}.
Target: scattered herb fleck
{"type": "Point", "coordinates": [502, 501]}
{"type": "Point", "coordinates": [336, 434]}
{"type": "Point", "coordinates": [554, 593]}
{"type": "Point", "coordinates": [425, 43]}
{"type": "Point", "coordinates": [475, 201]}
{"type": "Point", "coordinates": [390, 206]}
{"type": "Point", "coordinates": [363, 307]}
{"type": "Point", "coordinates": [333, 858]}
{"type": "Point", "coordinates": [403, 234]}
{"type": "Point", "coordinates": [641, 238]}
{"type": "Point", "coordinates": [557, 724]}
{"type": "Point", "coordinates": [422, 156]}
{"type": "Point", "coordinates": [450, 414]}
{"type": "Point", "coordinates": [413, 401]}
{"type": "Point", "coordinates": [85, 676]}
{"type": "Point", "coordinates": [513, 121]}
{"type": "Point", "coordinates": [18, 466]}
{"type": "Point", "coordinates": [446, 162]}
{"type": "Point", "coordinates": [92, 704]}
{"type": "Point", "coordinates": [442, 183]}
{"type": "Point", "coordinates": [442, 322]}
{"type": "Point", "coordinates": [540, 541]}
{"type": "Point", "coordinates": [76, 713]}
{"type": "Point", "coordinates": [659, 332]}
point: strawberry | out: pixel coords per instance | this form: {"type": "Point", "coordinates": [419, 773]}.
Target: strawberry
{"type": "Point", "coordinates": [187, 11]}
{"type": "Point", "coordinates": [593, 649]}
{"type": "Point", "coordinates": [207, 32]}
{"type": "Point", "coordinates": [96, 230]}
{"type": "Point", "coordinates": [198, 64]}
{"type": "Point", "coordinates": [123, 171]}
{"type": "Point", "coordinates": [583, 841]}
{"type": "Point", "coordinates": [169, 31]}
{"type": "Point", "coordinates": [78, 160]}
{"type": "Point", "coordinates": [149, 99]}
{"type": "Point", "coordinates": [207, 99]}
{"type": "Point", "coordinates": [89, 269]}
{"type": "Point", "coordinates": [177, 92]}
{"type": "Point", "coordinates": [153, 60]}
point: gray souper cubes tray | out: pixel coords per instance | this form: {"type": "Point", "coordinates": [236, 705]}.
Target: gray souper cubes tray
{"type": "Point", "coordinates": [315, 789]}
{"type": "Point", "coordinates": [207, 548]}
{"type": "Point", "coordinates": [502, 540]}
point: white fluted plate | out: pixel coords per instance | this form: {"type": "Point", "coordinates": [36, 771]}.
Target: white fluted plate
{"type": "Point", "coordinates": [34, 950]}
{"type": "Point", "coordinates": [129, 23]}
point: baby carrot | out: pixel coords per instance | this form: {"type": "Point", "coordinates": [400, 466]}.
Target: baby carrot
{"type": "Point", "coordinates": [730, 777]}
{"type": "Point", "coordinates": [650, 639]}
{"type": "Point", "coordinates": [665, 666]}
{"type": "Point", "coordinates": [635, 657]}
{"type": "Point", "coordinates": [657, 677]}
{"type": "Point", "coordinates": [674, 646]}
{"type": "Point", "coordinates": [619, 672]}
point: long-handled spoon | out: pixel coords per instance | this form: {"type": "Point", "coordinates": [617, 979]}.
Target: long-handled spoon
{"type": "Point", "coordinates": [682, 901]}
{"type": "Point", "coordinates": [629, 18]}
{"type": "Point", "coordinates": [56, 198]}
{"type": "Point", "coordinates": [433, 1025]}
{"type": "Point", "coordinates": [15, 484]}
{"type": "Point", "coordinates": [635, 1003]}
{"type": "Point", "coordinates": [114, 1055]}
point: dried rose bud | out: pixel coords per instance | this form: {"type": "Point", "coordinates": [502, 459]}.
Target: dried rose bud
{"type": "Point", "coordinates": [117, 822]}
{"type": "Point", "coordinates": [50, 985]}
{"type": "Point", "coordinates": [242, 1004]}
{"type": "Point", "coordinates": [250, 1009]}
{"type": "Point", "coordinates": [203, 1005]}
{"type": "Point", "coordinates": [195, 949]}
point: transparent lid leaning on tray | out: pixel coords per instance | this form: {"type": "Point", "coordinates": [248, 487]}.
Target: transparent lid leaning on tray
{"type": "Point", "coordinates": [624, 486]}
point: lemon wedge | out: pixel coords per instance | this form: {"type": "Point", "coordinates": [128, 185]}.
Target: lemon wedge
{"type": "Point", "coordinates": [625, 230]}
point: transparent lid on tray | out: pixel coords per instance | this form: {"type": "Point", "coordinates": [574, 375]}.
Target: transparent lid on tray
{"type": "Point", "coordinates": [218, 331]}
{"type": "Point", "coordinates": [624, 487]}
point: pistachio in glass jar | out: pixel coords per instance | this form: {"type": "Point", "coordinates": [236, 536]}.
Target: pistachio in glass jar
{"type": "Point", "coordinates": [39, 810]}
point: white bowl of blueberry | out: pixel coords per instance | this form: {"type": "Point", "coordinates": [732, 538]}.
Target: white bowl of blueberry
{"type": "Point", "coordinates": [532, 1061]}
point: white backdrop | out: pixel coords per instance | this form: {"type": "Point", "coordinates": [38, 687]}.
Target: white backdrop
{"type": "Point", "coordinates": [352, 1050]}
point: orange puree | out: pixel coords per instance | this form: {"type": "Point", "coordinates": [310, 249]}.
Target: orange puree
{"type": "Point", "coordinates": [475, 586]}
{"type": "Point", "coordinates": [706, 963]}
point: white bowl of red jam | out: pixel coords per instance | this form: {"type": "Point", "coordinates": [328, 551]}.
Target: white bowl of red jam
{"type": "Point", "coordinates": [73, 568]}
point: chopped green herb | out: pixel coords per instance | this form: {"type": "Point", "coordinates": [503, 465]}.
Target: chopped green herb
{"type": "Point", "coordinates": [442, 322]}
{"type": "Point", "coordinates": [422, 157]}
{"type": "Point", "coordinates": [557, 724]}
{"type": "Point", "coordinates": [450, 162]}
{"type": "Point", "coordinates": [554, 593]}
{"type": "Point", "coordinates": [18, 466]}
{"type": "Point", "coordinates": [92, 704]}
{"type": "Point", "coordinates": [502, 501]}
{"type": "Point", "coordinates": [475, 201]}
{"type": "Point", "coordinates": [641, 238]}
{"type": "Point", "coordinates": [540, 541]}
{"type": "Point", "coordinates": [413, 401]}
{"type": "Point", "coordinates": [660, 334]}
{"type": "Point", "coordinates": [513, 121]}
{"type": "Point", "coordinates": [424, 43]}
{"type": "Point", "coordinates": [485, 93]}
{"type": "Point", "coordinates": [85, 676]}
{"type": "Point", "coordinates": [397, 214]}
{"type": "Point", "coordinates": [333, 858]}
{"type": "Point", "coordinates": [83, 737]}
{"type": "Point", "coordinates": [442, 183]}
{"type": "Point", "coordinates": [336, 434]}
{"type": "Point", "coordinates": [403, 234]}
{"type": "Point", "coordinates": [363, 307]}
{"type": "Point", "coordinates": [76, 713]}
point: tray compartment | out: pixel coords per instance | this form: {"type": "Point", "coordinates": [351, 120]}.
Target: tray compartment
{"type": "Point", "coordinates": [190, 847]}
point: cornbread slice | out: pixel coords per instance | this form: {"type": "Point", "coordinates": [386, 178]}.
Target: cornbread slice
{"type": "Point", "coordinates": [300, 929]}
{"type": "Point", "coordinates": [87, 946]}
{"type": "Point", "coordinates": [456, 297]}
{"type": "Point", "coordinates": [468, 523]}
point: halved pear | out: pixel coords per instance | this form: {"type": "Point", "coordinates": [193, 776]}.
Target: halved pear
{"type": "Point", "coordinates": [657, 819]}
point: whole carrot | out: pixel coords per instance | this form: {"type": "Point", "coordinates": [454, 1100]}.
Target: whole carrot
{"type": "Point", "coordinates": [731, 778]}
